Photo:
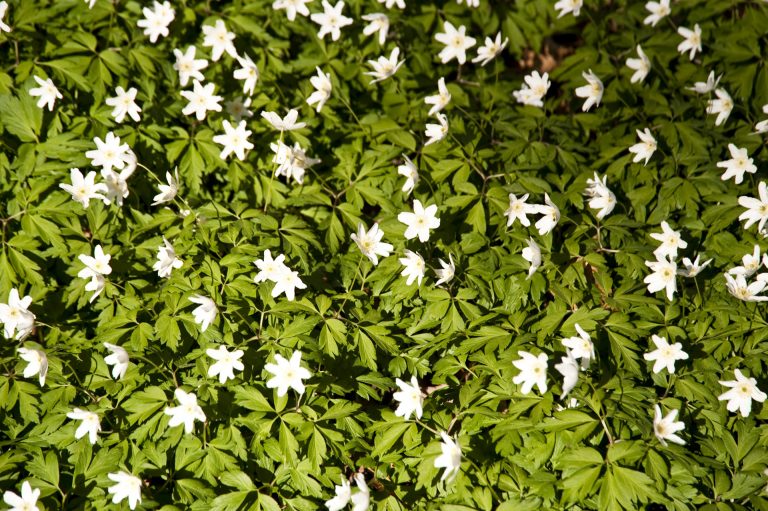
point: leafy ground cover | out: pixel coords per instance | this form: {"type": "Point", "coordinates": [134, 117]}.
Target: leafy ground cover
{"type": "Point", "coordinates": [369, 255]}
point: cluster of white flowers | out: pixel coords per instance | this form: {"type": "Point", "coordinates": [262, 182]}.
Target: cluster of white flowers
{"type": "Point", "coordinates": [664, 268]}
{"type": "Point", "coordinates": [361, 499]}
{"type": "Point", "coordinates": [292, 162]}
{"type": "Point", "coordinates": [96, 268]}
{"type": "Point", "coordinates": [118, 163]}
{"type": "Point", "coordinates": [286, 281]}
{"type": "Point", "coordinates": [519, 209]}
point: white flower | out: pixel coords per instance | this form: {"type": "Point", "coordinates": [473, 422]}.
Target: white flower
{"type": "Point", "coordinates": [743, 391]}
{"type": "Point", "coordinates": [762, 126]}
{"type": "Point", "coordinates": [456, 43]}
{"type": "Point", "coordinates": [343, 494]}
{"type": "Point", "coordinates": [287, 282]}
{"type": "Point", "coordinates": [378, 22]}
{"type": "Point", "coordinates": [128, 487]}
{"type": "Point", "coordinates": [109, 153]}
{"type": "Point", "coordinates": [37, 364]}
{"type": "Point", "coordinates": [604, 203]}
{"type": "Point", "coordinates": [757, 209]}
{"type": "Point", "coordinates": [665, 427]}
{"type": "Point", "coordinates": [167, 192]}
{"type": "Point", "coordinates": [593, 91]}
{"type": "Point", "coordinates": [692, 40]}
{"type": "Point", "coordinates": [410, 398]}
{"type": "Point", "coordinates": [411, 173]}
{"type": "Point", "coordinates": [601, 197]}
{"type": "Point", "coordinates": [95, 269]}
{"type": "Point", "coordinates": [645, 148]}
{"type": "Point", "coordinates": [291, 161]}
{"type": "Point", "coordinates": [166, 260]}
{"type": "Point", "coordinates": [83, 189]}
{"type": "Point", "coordinates": [287, 123]}
{"type": "Point", "coordinates": [569, 368]}
{"type": "Point", "coordinates": [670, 241]}
{"type": "Point", "coordinates": [437, 132]}
{"type": "Point", "coordinates": [370, 243]}
{"type": "Point", "coordinates": [533, 371]}
{"type": "Point", "coordinates": [96, 284]}
{"type": "Point", "coordinates": [238, 108]}
{"type": "Point", "coordinates": [534, 89]}
{"type": "Point", "coordinates": [641, 65]}
{"type": "Point", "coordinates": [420, 221]}
{"type": "Point", "coordinates": [739, 288]}
{"type": "Point", "coordinates": [201, 99]}
{"type": "Point", "coordinates": [248, 73]}
{"type": "Point", "coordinates": [532, 254]}
{"type": "Point", "coordinates": [663, 276]}
{"type": "Point", "coordinates": [361, 499]}
{"type": "Point", "coordinates": [447, 272]}
{"type": "Point", "coordinates": [234, 140]}
{"type": "Point", "coordinates": [566, 6]}
{"type": "Point", "coordinates": [226, 363]}
{"type": "Point", "coordinates": [90, 424]}
{"type": "Point", "coordinates": [665, 354]}
{"type": "Point", "coordinates": [219, 40]}
{"type": "Point", "coordinates": [440, 100]}
{"type": "Point", "coordinates": [658, 11]}
{"type": "Point", "coordinates": [270, 269]}
{"type": "Point", "coordinates": [581, 347]}
{"type": "Point", "coordinates": [118, 358]}
{"type": "Point", "coordinates": [470, 3]}
{"type": "Point", "coordinates": [292, 7]}
{"type": "Point", "coordinates": [414, 267]}
{"type": "Point", "coordinates": [15, 316]}
{"type": "Point", "coordinates": [189, 67]}
{"type": "Point", "coordinates": [551, 216]}
{"type": "Point", "coordinates": [750, 264]}
{"type": "Point", "coordinates": [47, 92]}
{"type": "Point", "coordinates": [596, 186]}
{"type": "Point", "coordinates": [518, 210]}
{"type": "Point", "coordinates": [708, 86]}
{"type": "Point", "coordinates": [390, 3]}
{"type": "Point", "coordinates": [117, 183]}
{"type": "Point", "coordinates": [205, 313]}
{"type": "Point", "coordinates": [99, 263]}
{"type": "Point", "coordinates": [27, 501]}
{"type": "Point", "coordinates": [693, 268]}
{"type": "Point", "coordinates": [186, 413]}
{"type": "Point", "coordinates": [3, 26]}
{"type": "Point", "coordinates": [721, 106]}
{"type": "Point", "coordinates": [384, 67]}
{"type": "Point", "coordinates": [287, 373]}
{"type": "Point", "coordinates": [450, 458]}
{"type": "Point", "coordinates": [490, 50]}
{"type": "Point", "coordinates": [124, 104]}
{"type": "Point", "coordinates": [323, 88]}
{"type": "Point", "coordinates": [155, 22]}
{"type": "Point", "coordinates": [739, 163]}
{"type": "Point", "coordinates": [331, 20]}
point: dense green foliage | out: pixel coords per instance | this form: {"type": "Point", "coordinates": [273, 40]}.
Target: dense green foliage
{"type": "Point", "coordinates": [360, 326]}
